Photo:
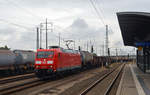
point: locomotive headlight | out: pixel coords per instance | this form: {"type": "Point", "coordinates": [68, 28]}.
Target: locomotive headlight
{"type": "Point", "coordinates": [38, 62]}
{"type": "Point", "coordinates": [49, 62]}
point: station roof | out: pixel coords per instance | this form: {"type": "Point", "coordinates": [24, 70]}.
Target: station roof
{"type": "Point", "coordinates": [135, 27]}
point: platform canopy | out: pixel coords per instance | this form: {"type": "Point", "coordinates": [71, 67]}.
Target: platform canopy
{"type": "Point", "coordinates": [135, 27]}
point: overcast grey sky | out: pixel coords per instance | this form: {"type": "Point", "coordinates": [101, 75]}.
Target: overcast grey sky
{"type": "Point", "coordinates": [74, 19]}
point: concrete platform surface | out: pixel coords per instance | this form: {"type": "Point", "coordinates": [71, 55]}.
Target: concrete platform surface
{"type": "Point", "coordinates": [134, 81]}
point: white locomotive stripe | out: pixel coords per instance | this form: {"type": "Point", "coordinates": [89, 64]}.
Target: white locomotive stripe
{"type": "Point", "coordinates": [138, 86]}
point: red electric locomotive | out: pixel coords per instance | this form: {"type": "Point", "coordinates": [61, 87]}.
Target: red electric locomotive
{"type": "Point", "coordinates": [56, 59]}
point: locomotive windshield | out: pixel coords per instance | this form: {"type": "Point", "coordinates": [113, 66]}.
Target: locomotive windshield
{"type": "Point", "coordinates": [45, 54]}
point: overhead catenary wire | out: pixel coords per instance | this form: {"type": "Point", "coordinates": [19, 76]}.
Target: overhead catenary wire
{"type": "Point", "coordinates": [61, 38]}
{"type": "Point", "coordinates": [25, 10]}
{"type": "Point", "coordinates": [102, 11]}
{"type": "Point", "coordinates": [100, 16]}
{"type": "Point", "coordinates": [98, 13]}
{"type": "Point", "coordinates": [64, 30]}
{"type": "Point", "coordinates": [22, 8]}
{"type": "Point", "coordinates": [56, 34]}
{"type": "Point", "coordinates": [14, 24]}
{"type": "Point", "coordinates": [99, 10]}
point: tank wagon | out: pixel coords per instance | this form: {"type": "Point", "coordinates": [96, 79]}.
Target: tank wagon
{"type": "Point", "coordinates": [24, 59]}
{"type": "Point", "coordinates": [7, 59]}
{"type": "Point", "coordinates": [17, 61]}
{"type": "Point", "coordinates": [86, 58]}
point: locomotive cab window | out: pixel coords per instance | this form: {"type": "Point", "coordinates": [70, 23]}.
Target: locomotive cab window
{"type": "Point", "coordinates": [45, 54]}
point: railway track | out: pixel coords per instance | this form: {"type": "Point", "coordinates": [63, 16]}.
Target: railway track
{"type": "Point", "coordinates": [12, 88]}
{"type": "Point", "coordinates": [19, 86]}
{"type": "Point", "coordinates": [104, 84]}
{"type": "Point", "coordinates": [8, 88]}
{"type": "Point", "coordinates": [16, 78]}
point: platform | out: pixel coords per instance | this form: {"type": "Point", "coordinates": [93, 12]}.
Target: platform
{"type": "Point", "coordinates": [134, 81]}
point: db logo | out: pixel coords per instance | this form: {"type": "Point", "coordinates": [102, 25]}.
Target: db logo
{"type": "Point", "coordinates": [44, 62]}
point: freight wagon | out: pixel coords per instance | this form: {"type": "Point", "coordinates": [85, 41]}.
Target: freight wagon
{"type": "Point", "coordinates": [17, 61]}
